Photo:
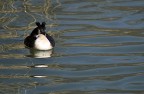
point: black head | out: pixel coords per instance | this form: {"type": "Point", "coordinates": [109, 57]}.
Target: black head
{"type": "Point", "coordinates": [40, 29]}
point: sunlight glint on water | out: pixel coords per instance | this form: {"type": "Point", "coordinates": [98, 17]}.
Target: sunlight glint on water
{"type": "Point", "coordinates": [99, 47]}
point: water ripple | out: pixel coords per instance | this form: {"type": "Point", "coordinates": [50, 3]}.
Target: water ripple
{"type": "Point", "coordinates": [99, 47]}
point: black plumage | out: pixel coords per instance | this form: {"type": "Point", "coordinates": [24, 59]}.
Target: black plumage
{"type": "Point", "coordinates": [40, 29]}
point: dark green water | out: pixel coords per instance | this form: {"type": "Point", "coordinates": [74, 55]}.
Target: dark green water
{"type": "Point", "coordinates": [99, 47]}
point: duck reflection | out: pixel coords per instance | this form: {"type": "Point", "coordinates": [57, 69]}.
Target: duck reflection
{"type": "Point", "coordinates": [40, 54]}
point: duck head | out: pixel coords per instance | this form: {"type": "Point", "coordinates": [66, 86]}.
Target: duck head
{"type": "Point", "coordinates": [40, 29]}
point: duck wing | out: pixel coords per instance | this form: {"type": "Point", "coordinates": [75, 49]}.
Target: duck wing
{"type": "Point", "coordinates": [29, 41]}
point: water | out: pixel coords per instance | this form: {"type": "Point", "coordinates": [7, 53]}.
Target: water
{"type": "Point", "coordinates": [99, 47]}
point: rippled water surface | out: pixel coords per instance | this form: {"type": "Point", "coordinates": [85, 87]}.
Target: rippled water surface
{"type": "Point", "coordinates": [99, 47]}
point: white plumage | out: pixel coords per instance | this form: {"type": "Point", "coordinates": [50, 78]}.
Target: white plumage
{"type": "Point", "coordinates": [42, 43]}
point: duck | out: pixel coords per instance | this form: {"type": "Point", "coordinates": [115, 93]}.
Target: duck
{"type": "Point", "coordinates": [39, 39]}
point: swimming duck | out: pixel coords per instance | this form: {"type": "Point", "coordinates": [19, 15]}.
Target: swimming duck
{"type": "Point", "coordinates": [39, 39]}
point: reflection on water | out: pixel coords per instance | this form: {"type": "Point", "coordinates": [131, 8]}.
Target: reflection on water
{"type": "Point", "coordinates": [99, 47]}
{"type": "Point", "coordinates": [40, 54]}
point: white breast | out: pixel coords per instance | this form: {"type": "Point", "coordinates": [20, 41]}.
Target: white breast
{"type": "Point", "coordinates": [42, 43]}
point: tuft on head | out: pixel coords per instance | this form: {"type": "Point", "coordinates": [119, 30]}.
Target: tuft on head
{"type": "Point", "coordinates": [43, 24]}
{"type": "Point", "coordinates": [38, 24]}
{"type": "Point", "coordinates": [40, 29]}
